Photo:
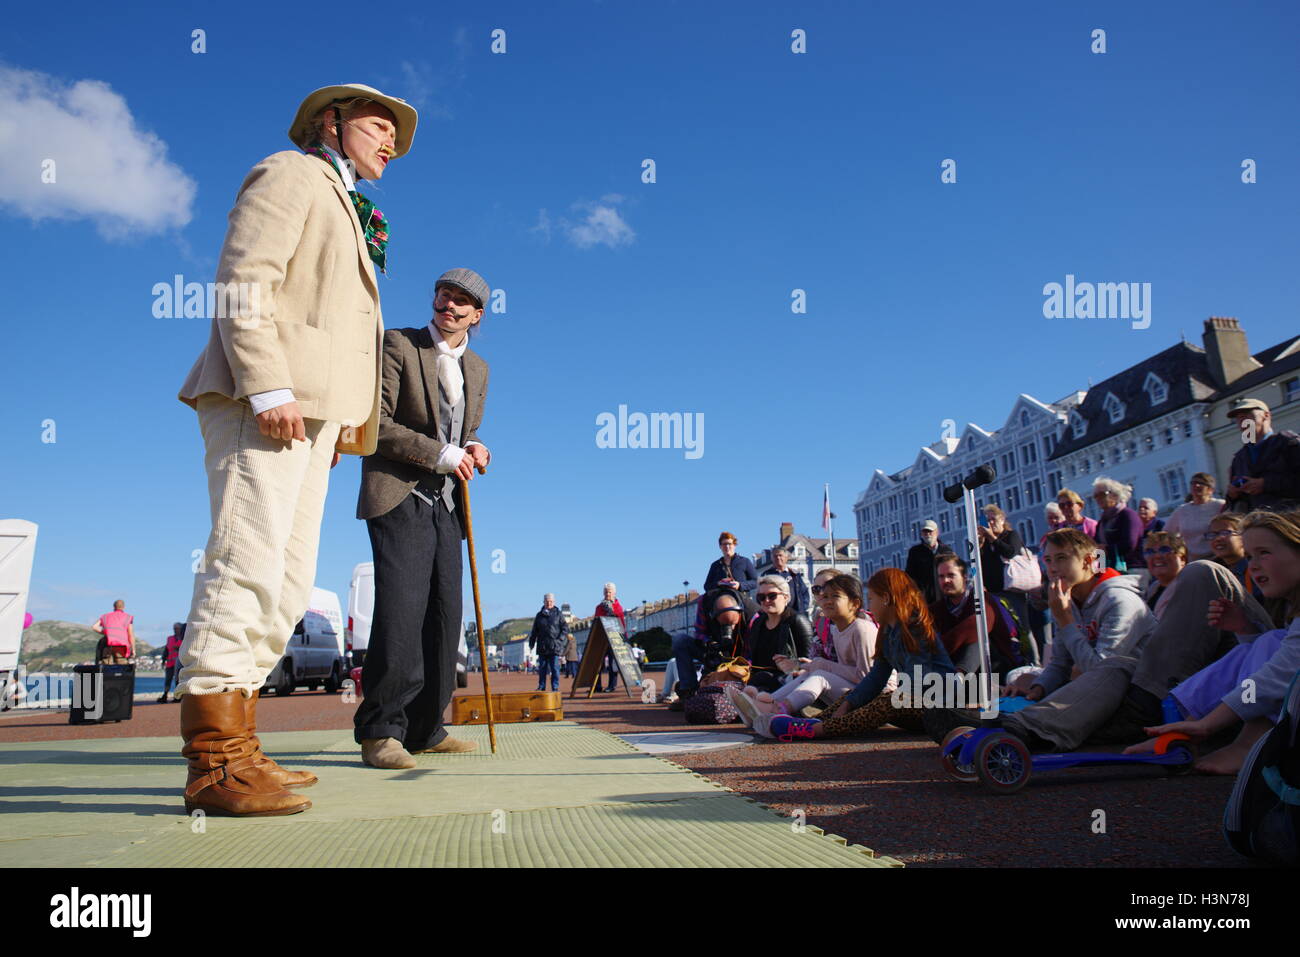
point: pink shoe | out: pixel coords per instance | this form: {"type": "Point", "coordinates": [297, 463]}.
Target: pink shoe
{"type": "Point", "coordinates": [785, 727]}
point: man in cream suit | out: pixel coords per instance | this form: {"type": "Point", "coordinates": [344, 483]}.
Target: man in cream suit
{"type": "Point", "coordinates": [433, 393]}
{"type": "Point", "coordinates": [288, 380]}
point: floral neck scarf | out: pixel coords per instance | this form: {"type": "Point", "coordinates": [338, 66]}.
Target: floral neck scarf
{"type": "Point", "coordinates": [374, 222]}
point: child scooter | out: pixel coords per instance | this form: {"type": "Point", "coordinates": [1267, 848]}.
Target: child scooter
{"type": "Point", "coordinates": [1002, 763]}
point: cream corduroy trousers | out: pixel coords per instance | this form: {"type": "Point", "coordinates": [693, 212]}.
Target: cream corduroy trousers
{"type": "Point", "coordinates": [255, 578]}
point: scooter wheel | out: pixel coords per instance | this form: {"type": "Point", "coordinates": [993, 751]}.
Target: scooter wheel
{"type": "Point", "coordinates": [1177, 770]}
{"type": "Point", "coordinates": [958, 772]}
{"type": "Point", "coordinates": [1002, 763]}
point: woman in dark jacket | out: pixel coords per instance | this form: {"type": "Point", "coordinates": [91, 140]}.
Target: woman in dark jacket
{"type": "Point", "coordinates": [1119, 529]}
{"type": "Point", "coordinates": [731, 569]}
{"type": "Point", "coordinates": [776, 631]}
{"type": "Point", "coordinates": [999, 543]}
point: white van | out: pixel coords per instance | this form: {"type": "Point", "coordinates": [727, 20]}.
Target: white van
{"type": "Point", "coordinates": [361, 609]}
{"type": "Point", "coordinates": [361, 613]}
{"type": "Point", "coordinates": [315, 655]}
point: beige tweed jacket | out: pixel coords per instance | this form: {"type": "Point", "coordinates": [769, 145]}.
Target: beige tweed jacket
{"type": "Point", "coordinates": [296, 252]}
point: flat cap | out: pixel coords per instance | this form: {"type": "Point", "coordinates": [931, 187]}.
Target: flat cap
{"type": "Point", "coordinates": [466, 279]}
{"type": "Point", "coordinates": [1245, 405]}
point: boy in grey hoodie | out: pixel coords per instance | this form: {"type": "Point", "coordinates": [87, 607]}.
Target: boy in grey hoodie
{"type": "Point", "coordinates": [1097, 614]}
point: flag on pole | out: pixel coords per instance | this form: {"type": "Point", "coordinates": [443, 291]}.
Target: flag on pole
{"type": "Point", "coordinates": [826, 508]}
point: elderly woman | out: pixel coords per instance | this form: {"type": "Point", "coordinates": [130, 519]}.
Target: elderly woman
{"type": "Point", "coordinates": [778, 633]}
{"type": "Point", "coordinates": [1192, 520]}
{"type": "Point", "coordinates": [1166, 557]}
{"type": "Point", "coordinates": [1119, 529]}
{"type": "Point", "coordinates": [1071, 505]}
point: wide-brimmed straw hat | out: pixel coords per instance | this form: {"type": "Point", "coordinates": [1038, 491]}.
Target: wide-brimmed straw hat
{"type": "Point", "coordinates": [404, 114]}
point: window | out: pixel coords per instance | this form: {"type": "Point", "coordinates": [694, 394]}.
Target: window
{"type": "Point", "coordinates": [1008, 462]}
{"type": "Point", "coordinates": [943, 521]}
{"type": "Point", "coordinates": [893, 531]}
{"type": "Point", "coordinates": [1149, 441]}
{"type": "Point", "coordinates": [1033, 492]}
{"type": "Point", "coordinates": [1028, 454]}
{"type": "Point", "coordinates": [1155, 388]}
{"type": "Point", "coordinates": [1054, 481]}
{"type": "Point", "coordinates": [1187, 429]}
{"type": "Point", "coordinates": [1024, 418]}
{"type": "Point", "coordinates": [1169, 436]}
{"type": "Point", "coordinates": [925, 496]}
{"type": "Point", "coordinates": [911, 500]}
{"type": "Point", "coordinates": [925, 465]}
{"type": "Point", "coordinates": [1173, 484]}
{"type": "Point", "coordinates": [1291, 389]}
{"type": "Point", "coordinates": [1101, 460]}
{"type": "Point", "coordinates": [1048, 442]}
{"type": "Point", "coordinates": [1013, 499]}
{"type": "Point", "coordinates": [1078, 424]}
{"type": "Point", "coordinates": [1132, 449]}
{"type": "Point", "coordinates": [1084, 467]}
{"type": "Point", "coordinates": [853, 549]}
{"type": "Point", "coordinates": [1113, 408]}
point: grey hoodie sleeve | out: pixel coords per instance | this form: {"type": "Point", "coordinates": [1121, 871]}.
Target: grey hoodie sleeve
{"type": "Point", "coordinates": [1118, 617]}
{"type": "Point", "coordinates": [1271, 681]}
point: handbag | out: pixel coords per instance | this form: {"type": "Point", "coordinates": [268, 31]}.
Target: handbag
{"type": "Point", "coordinates": [734, 669]}
{"type": "Point", "coordinates": [1021, 572]}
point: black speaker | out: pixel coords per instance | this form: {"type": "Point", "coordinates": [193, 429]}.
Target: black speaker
{"type": "Point", "coordinates": [113, 691]}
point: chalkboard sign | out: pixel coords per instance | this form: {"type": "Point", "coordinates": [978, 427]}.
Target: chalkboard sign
{"type": "Point", "coordinates": [606, 636]}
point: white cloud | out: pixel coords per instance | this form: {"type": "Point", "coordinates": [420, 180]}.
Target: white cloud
{"type": "Point", "coordinates": [594, 224]}
{"type": "Point", "coordinates": [106, 169]}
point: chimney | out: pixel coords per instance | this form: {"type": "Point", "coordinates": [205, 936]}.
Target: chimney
{"type": "Point", "coordinates": [1226, 350]}
{"type": "Point", "coordinates": [787, 529]}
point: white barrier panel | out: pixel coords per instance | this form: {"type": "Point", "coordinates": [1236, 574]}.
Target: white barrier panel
{"type": "Point", "coordinates": [17, 549]}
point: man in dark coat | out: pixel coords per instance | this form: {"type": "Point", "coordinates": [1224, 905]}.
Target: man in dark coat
{"type": "Point", "coordinates": [549, 634]}
{"type": "Point", "coordinates": [800, 598]}
{"type": "Point", "coordinates": [920, 560]}
{"type": "Point", "coordinates": [1265, 472]}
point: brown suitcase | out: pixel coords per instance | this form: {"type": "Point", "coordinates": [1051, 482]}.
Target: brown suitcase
{"type": "Point", "coordinates": [508, 708]}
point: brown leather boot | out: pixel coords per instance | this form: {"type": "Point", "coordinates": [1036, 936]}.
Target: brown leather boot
{"type": "Point", "coordinates": [224, 778]}
{"type": "Point", "coordinates": [282, 776]}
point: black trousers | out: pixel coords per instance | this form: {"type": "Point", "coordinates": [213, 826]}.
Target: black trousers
{"type": "Point", "coordinates": [409, 673]}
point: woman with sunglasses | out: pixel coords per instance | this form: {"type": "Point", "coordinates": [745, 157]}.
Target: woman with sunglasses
{"type": "Point", "coordinates": [1166, 556]}
{"type": "Point", "coordinates": [776, 633]}
{"type": "Point", "coordinates": [1071, 505]}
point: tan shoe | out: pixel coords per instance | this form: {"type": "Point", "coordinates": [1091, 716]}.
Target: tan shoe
{"type": "Point", "coordinates": [386, 753]}
{"type": "Point", "coordinates": [449, 746]}
{"type": "Point", "coordinates": [224, 776]}
{"type": "Point", "coordinates": [284, 777]}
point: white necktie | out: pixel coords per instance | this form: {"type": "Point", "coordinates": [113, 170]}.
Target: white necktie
{"type": "Point", "coordinates": [450, 377]}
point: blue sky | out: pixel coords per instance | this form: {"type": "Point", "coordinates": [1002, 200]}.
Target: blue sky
{"type": "Point", "coordinates": [775, 171]}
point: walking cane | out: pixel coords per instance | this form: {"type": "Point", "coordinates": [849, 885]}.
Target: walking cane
{"type": "Point", "coordinates": [478, 611]}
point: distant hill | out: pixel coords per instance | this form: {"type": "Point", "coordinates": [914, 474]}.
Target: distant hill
{"type": "Point", "coordinates": [58, 645]}
{"type": "Point", "coordinates": [507, 630]}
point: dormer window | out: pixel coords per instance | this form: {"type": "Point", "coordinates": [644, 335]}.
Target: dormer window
{"type": "Point", "coordinates": [1024, 418]}
{"type": "Point", "coordinates": [799, 551]}
{"type": "Point", "coordinates": [1078, 425]}
{"type": "Point", "coordinates": [1155, 388]}
{"type": "Point", "coordinates": [1114, 408]}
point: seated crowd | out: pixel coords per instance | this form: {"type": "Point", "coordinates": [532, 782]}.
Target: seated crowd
{"type": "Point", "coordinates": [1208, 648]}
